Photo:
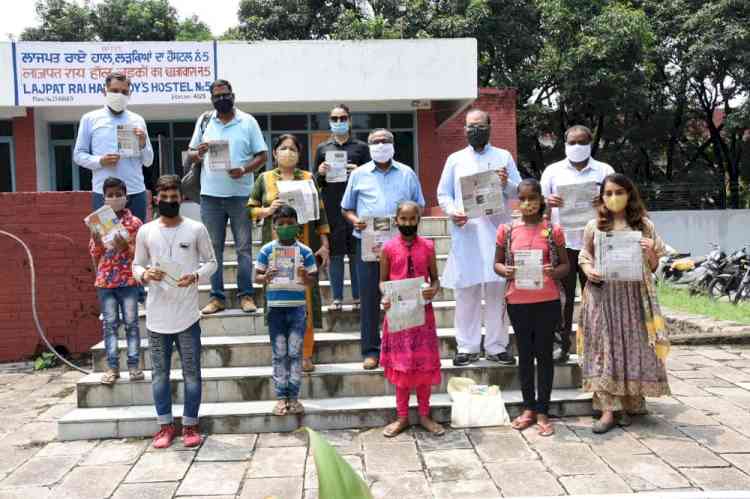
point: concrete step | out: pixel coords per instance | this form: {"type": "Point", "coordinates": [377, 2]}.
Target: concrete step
{"type": "Point", "coordinates": [239, 384]}
{"type": "Point", "coordinates": [257, 416]}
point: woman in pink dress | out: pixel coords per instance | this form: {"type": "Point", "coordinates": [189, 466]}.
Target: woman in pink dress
{"type": "Point", "coordinates": [411, 358]}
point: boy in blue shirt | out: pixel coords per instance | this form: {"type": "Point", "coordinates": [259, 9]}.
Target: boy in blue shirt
{"type": "Point", "coordinates": [286, 267]}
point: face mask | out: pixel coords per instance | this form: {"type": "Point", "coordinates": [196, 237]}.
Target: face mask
{"type": "Point", "coordinates": [223, 103]}
{"type": "Point", "coordinates": [287, 158]}
{"type": "Point", "coordinates": [117, 102]}
{"type": "Point", "coordinates": [117, 204]}
{"type": "Point", "coordinates": [577, 153]}
{"type": "Point", "coordinates": [287, 232]}
{"type": "Point", "coordinates": [616, 203]}
{"type": "Point", "coordinates": [408, 230]}
{"type": "Point", "coordinates": [478, 137]}
{"type": "Point", "coordinates": [382, 153]}
{"type": "Point", "coordinates": [169, 210]}
{"type": "Point", "coordinates": [339, 127]}
{"type": "Point", "coordinates": [529, 207]}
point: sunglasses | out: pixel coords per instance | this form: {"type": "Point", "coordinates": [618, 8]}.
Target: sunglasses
{"type": "Point", "coordinates": [336, 119]}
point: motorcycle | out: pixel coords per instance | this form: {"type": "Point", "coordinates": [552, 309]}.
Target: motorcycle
{"type": "Point", "coordinates": [708, 270]}
{"type": "Point", "coordinates": [727, 282]}
{"type": "Point", "coordinates": [743, 289]}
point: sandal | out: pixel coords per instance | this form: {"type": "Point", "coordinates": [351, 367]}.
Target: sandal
{"type": "Point", "coordinates": [281, 408]}
{"type": "Point", "coordinates": [522, 422]}
{"type": "Point", "coordinates": [396, 428]}
{"type": "Point", "coordinates": [432, 426]}
{"type": "Point", "coordinates": [336, 306]}
{"type": "Point", "coordinates": [110, 376]}
{"type": "Point", "coordinates": [136, 375]}
{"type": "Point", "coordinates": [546, 429]}
{"type": "Point", "coordinates": [295, 407]}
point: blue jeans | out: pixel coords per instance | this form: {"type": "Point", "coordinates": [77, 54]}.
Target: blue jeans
{"type": "Point", "coordinates": [369, 314]}
{"type": "Point", "coordinates": [336, 271]}
{"type": "Point", "coordinates": [124, 300]}
{"type": "Point", "coordinates": [188, 343]}
{"type": "Point", "coordinates": [136, 204]}
{"type": "Point", "coordinates": [286, 326]}
{"type": "Point", "coordinates": [215, 212]}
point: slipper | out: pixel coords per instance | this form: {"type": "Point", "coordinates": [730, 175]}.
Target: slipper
{"type": "Point", "coordinates": [546, 429]}
{"type": "Point", "coordinates": [522, 422]}
{"type": "Point", "coordinates": [395, 429]}
{"type": "Point", "coordinates": [280, 409]}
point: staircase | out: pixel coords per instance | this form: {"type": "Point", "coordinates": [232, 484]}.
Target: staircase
{"type": "Point", "coordinates": [238, 394]}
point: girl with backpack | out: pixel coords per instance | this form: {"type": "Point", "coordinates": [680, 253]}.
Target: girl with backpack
{"type": "Point", "coordinates": [534, 305]}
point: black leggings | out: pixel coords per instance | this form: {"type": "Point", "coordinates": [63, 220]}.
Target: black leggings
{"type": "Point", "coordinates": [534, 326]}
{"type": "Point", "coordinates": [569, 286]}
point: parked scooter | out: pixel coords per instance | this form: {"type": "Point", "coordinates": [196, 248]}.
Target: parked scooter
{"type": "Point", "coordinates": [727, 282]}
{"type": "Point", "coordinates": [708, 270]}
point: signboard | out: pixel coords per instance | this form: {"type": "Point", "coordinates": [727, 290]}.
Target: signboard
{"type": "Point", "coordinates": [50, 74]}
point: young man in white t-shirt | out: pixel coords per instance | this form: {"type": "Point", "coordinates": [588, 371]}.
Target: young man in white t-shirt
{"type": "Point", "coordinates": [167, 258]}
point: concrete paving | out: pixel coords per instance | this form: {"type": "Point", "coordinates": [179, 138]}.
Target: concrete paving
{"type": "Point", "coordinates": [696, 441]}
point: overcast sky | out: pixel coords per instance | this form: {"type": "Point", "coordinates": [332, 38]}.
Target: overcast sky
{"type": "Point", "coordinates": [218, 14]}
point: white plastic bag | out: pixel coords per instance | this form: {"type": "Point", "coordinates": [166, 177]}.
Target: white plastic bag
{"type": "Point", "coordinates": [476, 405]}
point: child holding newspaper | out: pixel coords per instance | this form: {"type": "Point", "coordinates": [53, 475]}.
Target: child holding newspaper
{"type": "Point", "coordinates": [533, 298]}
{"type": "Point", "coordinates": [410, 357]}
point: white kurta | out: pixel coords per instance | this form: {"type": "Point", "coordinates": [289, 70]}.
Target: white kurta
{"type": "Point", "coordinates": [472, 257]}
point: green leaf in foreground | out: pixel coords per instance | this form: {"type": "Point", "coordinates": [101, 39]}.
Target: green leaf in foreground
{"type": "Point", "coordinates": [336, 478]}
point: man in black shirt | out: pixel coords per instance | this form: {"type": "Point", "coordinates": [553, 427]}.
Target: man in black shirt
{"type": "Point", "coordinates": [341, 238]}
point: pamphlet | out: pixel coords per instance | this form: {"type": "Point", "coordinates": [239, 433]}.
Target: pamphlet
{"type": "Point", "coordinates": [529, 266]}
{"type": "Point", "coordinates": [482, 194]}
{"type": "Point", "coordinates": [218, 157]}
{"type": "Point", "coordinates": [379, 230]}
{"type": "Point", "coordinates": [302, 195]}
{"type": "Point", "coordinates": [407, 306]}
{"type": "Point", "coordinates": [337, 161]}
{"type": "Point", "coordinates": [619, 256]}
{"type": "Point", "coordinates": [104, 222]}
{"type": "Point", "coordinates": [127, 141]}
{"type": "Point", "coordinates": [577, 209]}
{"type": "Point", "coordinates": [285, 260]}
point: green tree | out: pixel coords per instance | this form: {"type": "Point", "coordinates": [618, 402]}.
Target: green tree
{"type": "Point", "coordinates": [61, 21]}
{"type": "Point", "coordinates": [136, 20]}
{"type": "Point", "coordinates": [193, 29]}
{"type": "Point", "coordinates": [289, 19]}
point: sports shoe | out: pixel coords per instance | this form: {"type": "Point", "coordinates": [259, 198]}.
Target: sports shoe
{"type": "Point", "coordinates": [164, 437]}
{"type": "Point", "coordinates": [503, 358]}
{"type": "Point", "coordinates": [562, 358]}
{"type": "Point", "coordinates": [464, 359]}
{"type": "Point", "coordinates": [191, 436]}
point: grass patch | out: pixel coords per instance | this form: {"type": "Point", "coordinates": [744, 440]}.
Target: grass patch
{"type": "Point", "coordinates": [680, 299]}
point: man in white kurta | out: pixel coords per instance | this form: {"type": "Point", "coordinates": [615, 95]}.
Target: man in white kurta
{"type": "Point", "coordinates": [470, 268]}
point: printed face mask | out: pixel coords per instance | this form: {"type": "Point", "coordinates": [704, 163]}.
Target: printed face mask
{"type": "Point", "coordinates": [381, 153]}
{"type": "Point", "coordinates": [577, 153]}
{"type": "Point", "coordinates": [117, 102]}
{"type": "Point", "coordinates": [529, 207]}
{"type": "Point", "coordinates": [287, 232]}
{"type": "Point", "coordinates": [616, 203]}
{"type": "Point", "coordinates": [116, 203]}
{"type": "Point", "coordinates": [287, 158]}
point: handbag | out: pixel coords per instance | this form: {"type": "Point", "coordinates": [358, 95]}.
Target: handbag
{"type": "Point", "coordinates": [191, 181]}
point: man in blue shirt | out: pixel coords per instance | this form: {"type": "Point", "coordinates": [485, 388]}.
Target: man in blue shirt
{"type": "Point", "coordinates": [374, 190]}
{"type": "Point", "coordinates": [224, 193]}
{"type": "Point", "coordinates": [97, 146]}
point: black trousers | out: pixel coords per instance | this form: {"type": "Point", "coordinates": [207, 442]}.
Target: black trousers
{"type": "Point", "coordinates": [534, 328]}
{"type": "Point", "coordinates": [569, 285]}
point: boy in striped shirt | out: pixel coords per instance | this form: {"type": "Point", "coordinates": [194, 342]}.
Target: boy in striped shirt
{"type": "Point", "coordinates": [286, 267]}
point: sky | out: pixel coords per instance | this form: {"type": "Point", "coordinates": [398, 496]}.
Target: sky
{"type": "Point", "coordinates": [218, 14]}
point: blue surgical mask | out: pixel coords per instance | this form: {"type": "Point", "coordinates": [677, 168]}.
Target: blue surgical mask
{"type": "Point", "coordinates": [339, 127]}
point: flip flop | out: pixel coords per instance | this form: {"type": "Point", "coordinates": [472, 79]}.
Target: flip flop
{"type": "Point", "coordinates": [546, 429]}
{"type": "Point", "coordinates": [395, 429]}
{"type": "Point", "coordinates": [523, 422]}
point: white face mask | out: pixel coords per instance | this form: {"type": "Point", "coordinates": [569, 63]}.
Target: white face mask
{"type": "Point", "coordinates": [117, 102]}
{"type": "Point", "coordinates": [578, 153]}
{"type": "Point", "coordinates": [382, 153]}
{"type": "Point", "coordinates": [117, 204]}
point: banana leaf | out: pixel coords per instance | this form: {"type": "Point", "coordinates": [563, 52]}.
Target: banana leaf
{"type": "Point", "coordinates": [336, 478]}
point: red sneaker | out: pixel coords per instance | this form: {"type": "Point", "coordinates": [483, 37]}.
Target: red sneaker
{"type": "Point", "coordinates": [191, 436]}
{"type": "Point", "coordinates": [164, 438]}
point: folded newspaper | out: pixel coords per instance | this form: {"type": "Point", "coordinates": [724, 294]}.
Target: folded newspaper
{"type": "Point", "coordinates": [529, 266]}
{"type": "Point", "coordinates": [407, 306]}
{"type": "Point", "coordinates": [285, 260]}
{"type": "Point", "coordinates": [578, 208]}
{"type": "Point", "coordinates": [302, 195]}
{"type": "Point", "coordinates": [218, 157]}
{"type": "Point", "coordinates": [619, 256]}
{"type": "Point", "coordinates": [482, 194]}
{"type": "Point", "coordinates": [127, 141]}
{"type": "Point", "coordinates": [337, 161]}
{"type": "Point", "coordinates": [379, 230]}
{"type": "Point", "coordinates": [104, 222]}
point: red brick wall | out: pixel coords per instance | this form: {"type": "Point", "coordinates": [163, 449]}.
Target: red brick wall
{"type": "Point", "coordinates": [51, 224]}
{"type": "Point", "coordinates": [436, 144]}
{"type": "Point", "coordinates": [24, 138]}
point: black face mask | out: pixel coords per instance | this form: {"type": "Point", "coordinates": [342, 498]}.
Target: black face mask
{"type": "Point", "coordinates": [169, 210]}
{"type": "Point", "coordinates": [223, 103]}
{"type": "Point", "coordinates": [478, 137]}
{"type": "Point", "coordinates": [408, 230]}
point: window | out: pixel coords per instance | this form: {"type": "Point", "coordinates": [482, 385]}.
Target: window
{"type": "Point", "coordinates": [7, 163]}
{"type": "Point", "coordinates": [64, 174]}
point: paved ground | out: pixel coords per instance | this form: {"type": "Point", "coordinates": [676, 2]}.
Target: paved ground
{"type": "Point", "coordinates": [699, 439]}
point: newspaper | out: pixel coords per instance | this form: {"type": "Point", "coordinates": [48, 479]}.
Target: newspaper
{"type": "Point", "coordinates": [218, 157]}
{"type": "Point", "coordinates": [407, 306]}
{"type": "Point", "coordinates": [619, 256]}
{"type": "Point", "coordinates": [104, 222]}
{"type": "Point", "coordinates": [172, 271]}
{"type": "Point", "coordinates": [378, 231]}
{"type": "Point", "coordinates": [127, 141]}
{"type": "Point", "coordinates": [337, 161]}
{"type": "Point", "coordinates": [529, 266]}
{"type": "Point", "coordinates": [578, 209]}
{"type": "Point", "coordinates": [285, 260]}
{"type": "Point", "coordinates": [302, 195]}
{"type": "Point", "coordinates": [482, 194]}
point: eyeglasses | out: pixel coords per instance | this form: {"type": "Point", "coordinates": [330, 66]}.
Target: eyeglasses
{"type": "Point", "coordinates": [477, 127]}
{"type": "Point", "coordinates": [336, 119]}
